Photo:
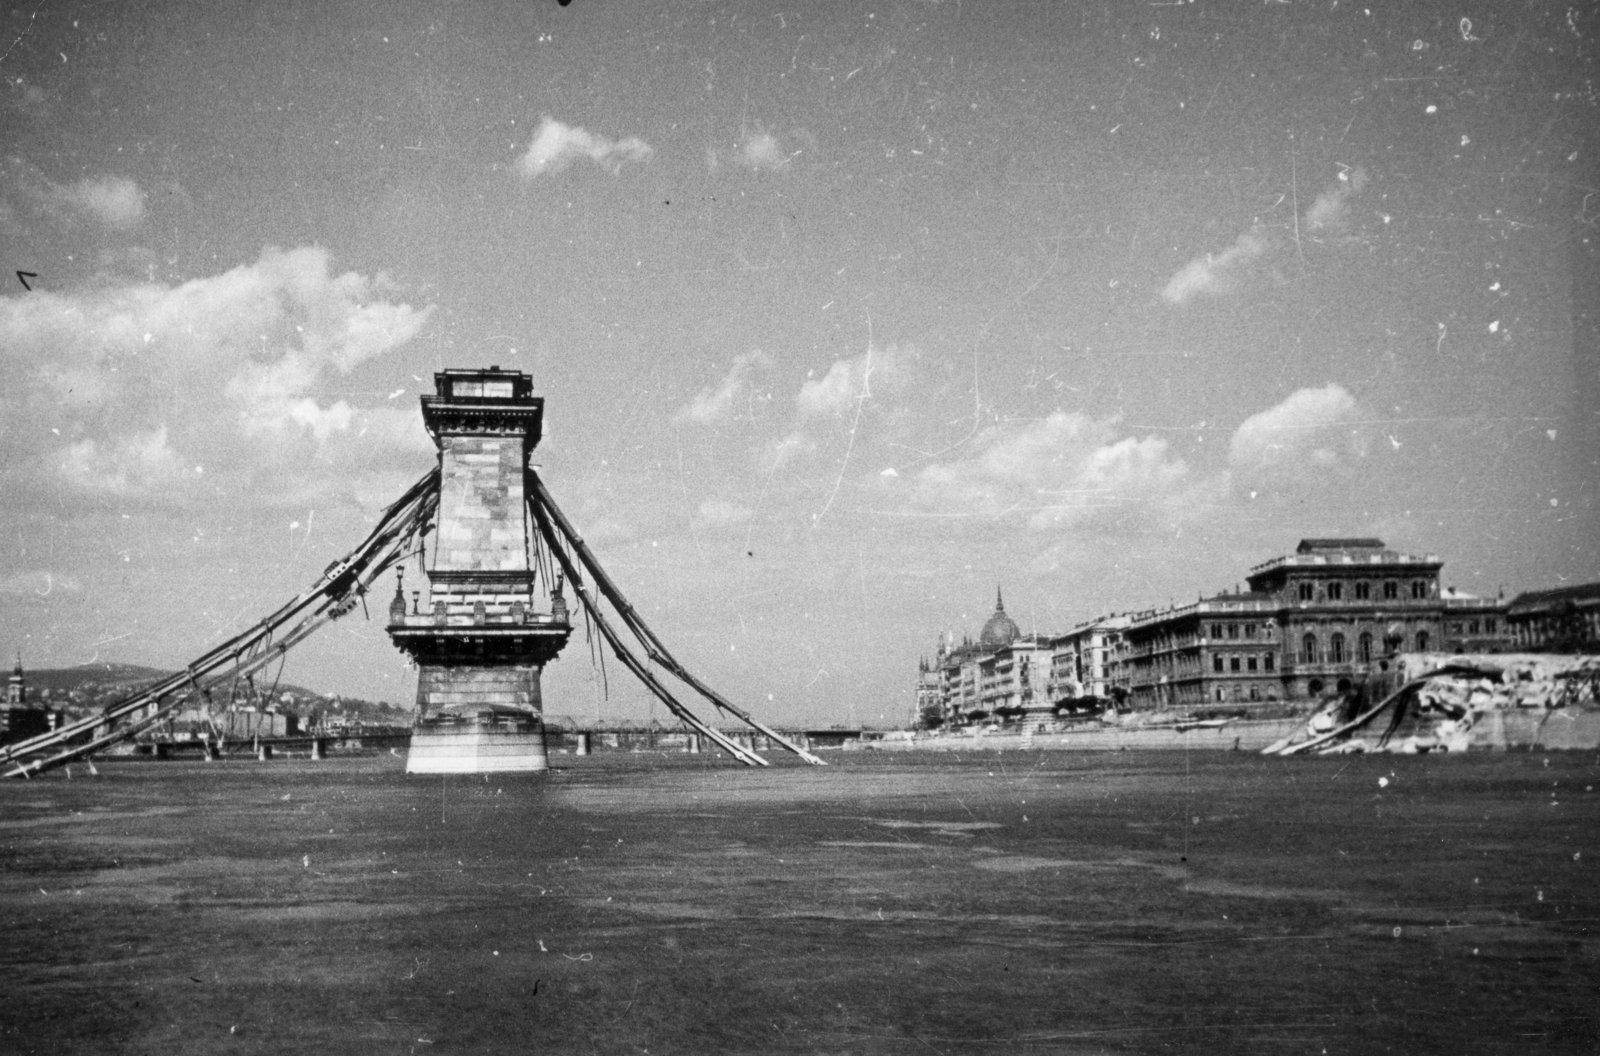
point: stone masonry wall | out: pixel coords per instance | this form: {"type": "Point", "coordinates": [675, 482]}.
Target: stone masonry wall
{"type": "Point", "coordinates": [481, 514]}
{"type": "Point", "coordinates": [470, 686]}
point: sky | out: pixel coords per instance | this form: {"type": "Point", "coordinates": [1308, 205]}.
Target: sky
{"type": "Point", "coordinates": [845, 315]}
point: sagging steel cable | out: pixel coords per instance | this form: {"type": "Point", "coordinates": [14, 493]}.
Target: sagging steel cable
{"type": "Point", "coordinates": [644, 675]}
{"type": "Point", "coordinates": [631, 662]}
{"type": "Point", "coordinates": [258, 637]}
{"type": "Point", "coordinates": [254, 649]}
{"type": "Point", "coordinates": [154, 695]}
{"type": "Point", "coordinates": [548, 514]}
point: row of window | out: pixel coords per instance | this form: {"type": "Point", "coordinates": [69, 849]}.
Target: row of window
{"type": "Point", "coordinates": [1471, 627]}
{"type": "Point", "coordinates": [1266, 662]}
{"type": "Point", "coordinates": [1363, 591]}
{"type": "Point", "coordinates": [1311, 652]}
{"type": "Point", "coordinates": [1338, 652]}
{"type": "Point", "coordinates": [1224, 693]}
{"type": "Point", "coordinates": [1232, 630]}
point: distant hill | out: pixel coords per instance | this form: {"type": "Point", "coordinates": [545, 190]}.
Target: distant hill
{"type": "Point", "coordinates": [66, 679]}
{"type": "Point", "coordinates": [90, 687]}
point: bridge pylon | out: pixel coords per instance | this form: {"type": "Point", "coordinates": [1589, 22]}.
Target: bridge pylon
{"type": "Point", "coordinates": [486, 631]}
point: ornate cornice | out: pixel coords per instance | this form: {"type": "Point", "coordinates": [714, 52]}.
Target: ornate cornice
{"type": "Point", "coordinates": [445, 415]}
{"type": "Point", "coordinates": [482, 644]}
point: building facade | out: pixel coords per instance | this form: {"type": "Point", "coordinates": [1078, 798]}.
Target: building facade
{"type": "Point", "coordinates": [1320, 620]}
{"type": "Point", "coordinates": [18, 718]}
{"type": "Point", "coordinates": [1566, 620]}
{"type": "Point", "coordinates": [1083, 660]}
{"type": "Point", "coordinates": [1004, 676]}
{"type": "Point", "coordinates": [1325, 619]}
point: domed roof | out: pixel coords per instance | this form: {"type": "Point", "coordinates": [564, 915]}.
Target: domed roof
{"type": "Point", "coordinates": [1001, 630]}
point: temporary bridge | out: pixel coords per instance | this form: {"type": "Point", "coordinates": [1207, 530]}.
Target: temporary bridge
{"type": "Point", "coordinates": [399, 534]}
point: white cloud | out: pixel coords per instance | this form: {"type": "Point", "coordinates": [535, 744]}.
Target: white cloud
{"type": "Point", "coordinates": [717, 402]}
{"type": "Point", "coordinates": [779, 453]}
{"type": "Point", "coordinates": [761, 150]}
{"type": "Point", "coordinates": [125, 465]}
{"type": "Point", "coordinates": [1331, 206]}
{"type": "Point", "coordinates": [718, 513]}
{"type": "Point", "coordinates": [1214, 274]}
{"type": "Point", "coordinates": [556, 145]}
{"type": "Point", "coordinates": [836, 399]}
{"type": "Point", "coordinates": [846, 382]}
{"type": "Point", "coordinates": [1310, 431]}
{"type": "Point", "coordinates": [115, 201]}
{"type": "Point", "coordinates": [124, 390]}
{"type": "Point", "coordinates": [1060, 470]}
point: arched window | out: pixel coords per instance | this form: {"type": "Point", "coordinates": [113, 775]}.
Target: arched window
{"type": "Point", "coordinates": [1364, 648]}
{"type": "Point", "coordinates": [1308, 649]}
{"type": "Point", "coordinates": [1422, 641]}
{"type": "Point", "coordinates": [1336, 649]}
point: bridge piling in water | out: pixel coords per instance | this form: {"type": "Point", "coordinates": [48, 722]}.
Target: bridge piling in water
{"type": "Point", "coordinates": [481, 643]}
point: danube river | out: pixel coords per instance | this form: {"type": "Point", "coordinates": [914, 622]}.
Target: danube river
{"type": "Point", "coordinates": [1017, 902]}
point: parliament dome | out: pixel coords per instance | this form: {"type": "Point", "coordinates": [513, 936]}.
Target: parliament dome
{"type": "Point", "coordinates": [1001, 630]}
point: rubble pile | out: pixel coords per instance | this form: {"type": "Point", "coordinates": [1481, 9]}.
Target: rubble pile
{"type": "Point", "coordinates": [1453, 702]}
{"type": "Point", "coordinates": [1509, 680]}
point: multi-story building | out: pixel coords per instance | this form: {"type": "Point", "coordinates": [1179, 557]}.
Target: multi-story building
{"type": "Point", "coordinates": [930, 706]}
{"type": "Point", "coordinates": [18, 718]}
{"type": "Point", "coordinates": [1473, 624]}
{"type": "Point", "coordinates": [1566, 619]}
{"type": "Point", "coordinates": [1016, 684]}
{"type": "Point", "coordinates": [1322, 619]}
{"type": "Point", "coordinates": [1224, 648]}
{"type": "Point", "coordinates": [1326, 618]}
{"type": "Point", "coordinates": [1004, 675]}
{"type": "Point", "coordinates": [1081, 660]}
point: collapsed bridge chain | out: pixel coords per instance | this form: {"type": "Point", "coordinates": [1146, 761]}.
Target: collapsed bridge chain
{"type": "Point", "coordinates": [344, 585]}
{"type": "Point", "coordinates": [564, 542]}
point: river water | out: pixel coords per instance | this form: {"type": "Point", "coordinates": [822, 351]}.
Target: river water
{"type": "Point", "coordinates": [1037, 902]}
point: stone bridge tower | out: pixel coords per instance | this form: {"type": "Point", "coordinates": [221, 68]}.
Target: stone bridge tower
{"type": "Point", "coordinates": [483, 636]}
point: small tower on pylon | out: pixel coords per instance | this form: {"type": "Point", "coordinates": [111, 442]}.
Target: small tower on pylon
{"type": "Point", "coordinates": [486, 634]}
